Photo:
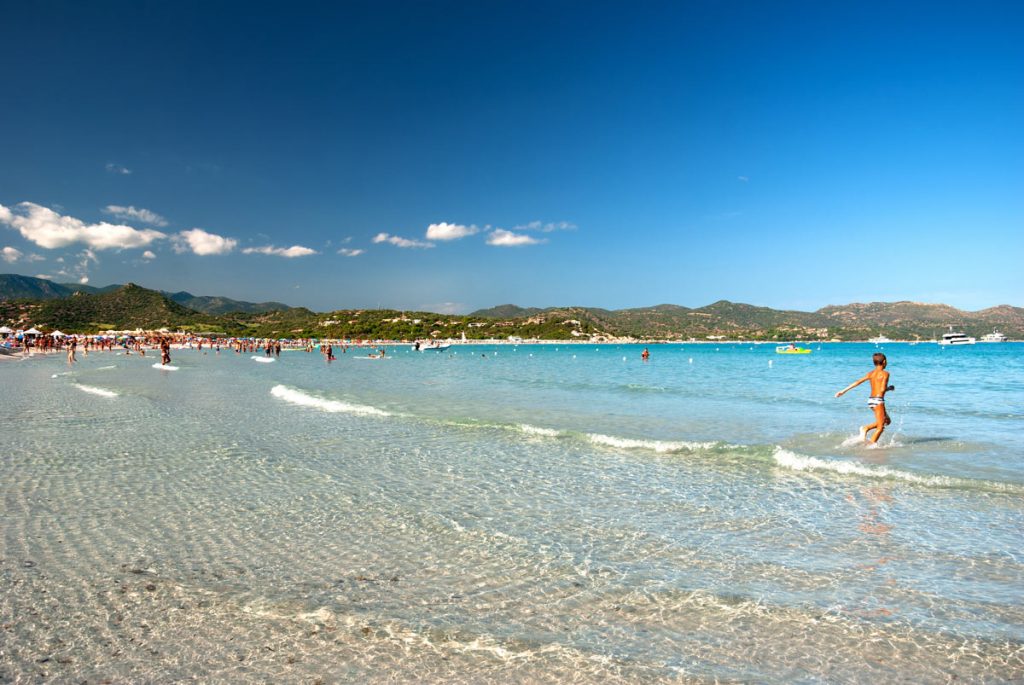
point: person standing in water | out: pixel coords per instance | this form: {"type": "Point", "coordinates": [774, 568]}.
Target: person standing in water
{"type": "Point", "coordinates": [645, 355]}
{"type": "Point", "coordinates": [165, 352]}
{"type": "Point", "coordinates": [879, 379]}
{"type": "Point", "coordinates": [72, 344]}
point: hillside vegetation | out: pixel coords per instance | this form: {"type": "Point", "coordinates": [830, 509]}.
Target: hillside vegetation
{"type": "Point", "coordinates": [130, 307]}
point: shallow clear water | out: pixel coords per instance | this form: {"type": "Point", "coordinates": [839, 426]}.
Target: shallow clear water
{"type": "Point", "coordinates": [511, 514]}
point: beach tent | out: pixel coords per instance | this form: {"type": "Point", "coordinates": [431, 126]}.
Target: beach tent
{"type": "Point", "coordinates": [4, 330]}
{"type": "Point", "coordinates": [33, 331]}
{"type": "Point", "coordinates": [57, 334]}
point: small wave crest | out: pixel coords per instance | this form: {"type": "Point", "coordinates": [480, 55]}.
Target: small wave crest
{"type": "Point", "coordinates": [803, 462]}
{"type": "Point", "coordinates": [538, 431]}
{"type": "Point", "coordinates": [92, 390]}
{"type": "Point", "coordinates": [659, 446]}
{"type": "Point", "coordinates": [301, 399]}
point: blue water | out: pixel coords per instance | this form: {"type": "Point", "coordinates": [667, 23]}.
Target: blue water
{"type": "Point", "coordinates": [515, 513]}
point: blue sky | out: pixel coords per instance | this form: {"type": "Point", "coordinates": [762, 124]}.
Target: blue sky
{"type": "Point", "coordinates": [787, 154]}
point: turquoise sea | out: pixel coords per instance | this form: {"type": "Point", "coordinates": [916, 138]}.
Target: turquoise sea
{"type": "Point", "coordinates": [539, 513]}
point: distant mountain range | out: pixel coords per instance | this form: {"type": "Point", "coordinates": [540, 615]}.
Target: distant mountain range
{"type": "Point", "coordinates": [896, 320]}
{"type": "Point", "coordinates": [28, 301]}
{"type": "Point", "coordinates": [15, 287]}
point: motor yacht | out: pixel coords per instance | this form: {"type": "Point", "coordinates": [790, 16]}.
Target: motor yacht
{"type": "Point", "coordinates": [994, 336]}
{"type": "Point", "coordinates": [954, 338]}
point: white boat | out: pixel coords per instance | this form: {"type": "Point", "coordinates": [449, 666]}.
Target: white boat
{"type": "Point", "coordinates": [994, 336]}
{"type": "Point", "coordinates": [954, 338]}
{"type": "Point", "coordinates": [879, 340]}
{"type": "Point", "coordinates": [432, 346]}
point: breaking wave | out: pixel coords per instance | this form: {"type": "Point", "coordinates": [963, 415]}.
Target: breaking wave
{"type": "Point", "coordinates": [301, 399]}
{"type": "Point", "coordinates": [659, 446]}
{"type": "Point", "coordinates": [539, 432]}
{"type": "Point", "coordinates": [803, 462]}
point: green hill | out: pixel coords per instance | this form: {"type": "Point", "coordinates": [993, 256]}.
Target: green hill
{"type": "Point", "coordinates": [128, 307]}
{"type": "Point", "coordinates": [222, 305]}
{"type": "Point", "coordinates": [17, 287]}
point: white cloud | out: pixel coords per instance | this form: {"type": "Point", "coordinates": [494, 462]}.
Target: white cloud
{"type": "Point", "coordinates": [129, 213]}
{"type": "Point", "coordinates": [502, 238]}
{"type": "Point", "coordinates": [548, 227]}
{"type": "Point", "coordinates": [79, 270]}
{"type": "Point", "coordinates": [289, 252]}
{"type": "Point", "coordinates": [45, 277]}
{"type": "Point", "coordinates": [10, 255]}
{"type": "Point", "coordinates": [118, 169]}
{"type": "Point", "coordinates": [46, 228]}
{"type": "Point", "coordinates": [743, 179]}
{"type": "Point", "coordinates": [148, 254]}
{"type": "Point", "coordinates": [399, 241]}
{"type": "Point", "coordinates": [446, 231]}
{"type": "Point", "coordinates": [350, 252]}
{"type": "Point", "coordinates": [203, 243]}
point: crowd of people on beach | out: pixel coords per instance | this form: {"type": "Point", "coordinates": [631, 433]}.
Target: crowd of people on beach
{"type": "Point", "coordinates": [139, 342]}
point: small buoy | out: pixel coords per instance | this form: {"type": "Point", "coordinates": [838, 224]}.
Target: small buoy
{"type": "Point", "coordinates": [691, 360]}
{"type": "Point", "coordinates": [574, 356]}
{"type": "Point", "coordinates": [623, 359]}
{"type": "Point", "coordinates": [769, 363]}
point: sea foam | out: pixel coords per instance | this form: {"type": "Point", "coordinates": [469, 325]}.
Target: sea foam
{"type": "Point", "coordinates": [301, 399]}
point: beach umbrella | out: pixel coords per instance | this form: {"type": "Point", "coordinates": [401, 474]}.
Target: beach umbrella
{"type": "Point", "coordinates": [57, 334]}
{"type": "Point", "coordinates": [33, 331]}
{"type": "Point", "coordinates": [5, 330]}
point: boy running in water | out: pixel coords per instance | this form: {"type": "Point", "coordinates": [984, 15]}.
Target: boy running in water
{"type": "Point", "coordinates": [879, 378]}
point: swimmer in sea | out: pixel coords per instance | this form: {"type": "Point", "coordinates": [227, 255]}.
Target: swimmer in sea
{"type": "Point", "coordinates": [645, 355]}
{"type": "Point", "coordinates": [879, 379]}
